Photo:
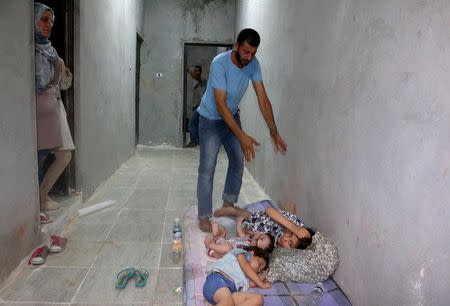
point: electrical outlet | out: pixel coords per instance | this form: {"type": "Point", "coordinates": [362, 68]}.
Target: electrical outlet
{"type": "Point", "coordinates": [159, 74]}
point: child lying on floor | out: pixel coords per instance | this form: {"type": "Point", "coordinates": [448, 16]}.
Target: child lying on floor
{"type": "Point", "coordinates": [218, 246]}
{"type": "Point", "coordinates": [287, 229]}
{"type": "Point", "coordinates": [237, 271]}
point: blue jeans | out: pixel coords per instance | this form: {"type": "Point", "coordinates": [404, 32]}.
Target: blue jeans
{"type": "Point", "coordinates": [214, 282]}
{"type": "Point", "coordinates": [214, 134]}
{"type": "Point", "coordinates": [193, 126]}
{"type": "Point", "coordinates": [42, 155]}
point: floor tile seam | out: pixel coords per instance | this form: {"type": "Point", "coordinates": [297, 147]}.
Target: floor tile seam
{"type": "Point", "coordinates": [35, 302]}
{"type": "Point", "coordinates": [122, 208]}
{"type": "Point", "coordinates": [162, 209]}
{"type": "Point", "coordinates": [121, 267]}
{"type": "Point", "coordinates": [63, 267]}
{"type": "Point", "coordinates": [81, 283]}
{"type": "Point", "coordinates": [87, 273]}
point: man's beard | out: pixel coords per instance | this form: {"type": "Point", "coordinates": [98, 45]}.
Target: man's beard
{"type": "Point", "coordinates": [239, 60]}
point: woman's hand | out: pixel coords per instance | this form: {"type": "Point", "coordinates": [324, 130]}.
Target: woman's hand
{"type": "Point", "coordinates": [301, 232]}
{"type": "Point", "coordinates": [265, 285]}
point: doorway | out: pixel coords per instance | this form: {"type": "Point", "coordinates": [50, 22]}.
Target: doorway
{"type": "Point", "coordinates": [62, 40]}
{"type": "Point", "coordinates": [201, 55]}
{"type": "Point", "coordinates": [139, 41]}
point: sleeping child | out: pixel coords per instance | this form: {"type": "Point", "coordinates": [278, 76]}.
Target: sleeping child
{"type": "Point", "coordinates": [218, 246]}
{"type": "Point", "coordinates": [237, 271]}
{"type": "Point", "coordinates": [287, 229]}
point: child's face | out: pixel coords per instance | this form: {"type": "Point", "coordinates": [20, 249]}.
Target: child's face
{"type": "Point", "coordinates": [288, 241]}
{"type": "Point", "coordinates": [257, 263]}
{"type": "Point", "coordinates": [263, 242]}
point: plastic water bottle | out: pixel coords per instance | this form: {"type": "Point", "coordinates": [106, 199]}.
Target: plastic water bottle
{"type": "Point", "coordinates": [177, 245]}
{"type": "Point", "coordinates": [314, 297]}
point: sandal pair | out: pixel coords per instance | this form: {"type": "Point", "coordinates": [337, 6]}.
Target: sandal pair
{"type": "Point", "coordinates": [39, 256]}
{"type": "Point", "coordinates": [140, 277]}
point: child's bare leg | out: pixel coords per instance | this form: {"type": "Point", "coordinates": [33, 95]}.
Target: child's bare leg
{"type": "Point", "coordinates": [231, 211]}
{"type": "Point", "coordinates": [223, 297]}
{"type": "Point", "coordinates": [221, 248]}
{"type": "Point", "coordinates": [247, 299]}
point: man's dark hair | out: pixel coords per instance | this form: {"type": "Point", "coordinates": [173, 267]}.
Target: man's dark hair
{"type": "Point", "coordinates": [250, 36]}
{"type": "Point", "coordinates": [199, 67]}
{"type": "Point", "coordinates": [306, 242]}
{"type": "Point", "coordinates": [260, 253]}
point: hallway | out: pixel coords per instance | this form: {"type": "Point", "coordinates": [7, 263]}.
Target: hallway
{"type": "Point", "coordinates": [151, 189]}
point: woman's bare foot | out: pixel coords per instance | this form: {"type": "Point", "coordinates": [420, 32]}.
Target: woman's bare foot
{"type": "Point", "coordinates": [49, 204]}
{"type": "Point", "coordinates": [205, 225]}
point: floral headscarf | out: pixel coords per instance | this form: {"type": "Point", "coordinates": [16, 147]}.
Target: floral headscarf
{"type": "Point", "coordinates": [45, 54]}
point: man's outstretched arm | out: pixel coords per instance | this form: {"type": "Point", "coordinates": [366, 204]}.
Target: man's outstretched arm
{"type": "Point", "coordinates": [266, 109]}
{"type": "Point", "coordinates": [246, 141]}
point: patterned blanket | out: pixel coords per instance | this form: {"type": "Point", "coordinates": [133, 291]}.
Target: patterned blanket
{"type": "Point", "coordinates": [281, 293]}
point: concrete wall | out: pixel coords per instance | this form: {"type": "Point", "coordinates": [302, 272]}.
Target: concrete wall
{"type": "Point", "coordinates": [168, 25]}
{"type": "Point", "coordinates": [360, 93]}
{"type": "Point", "coordinates": [105, 60]}
{"type": "Point", "coordinates": [18, 167]}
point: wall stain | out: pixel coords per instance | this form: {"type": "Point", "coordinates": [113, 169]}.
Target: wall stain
{"type": "Point", "coordinates": [196, 8]}
{"type": "Point", "coordinates": [21, 231]}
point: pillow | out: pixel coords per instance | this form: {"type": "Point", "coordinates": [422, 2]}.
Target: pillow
{"type": "Point", "coordinates": [314, 264]}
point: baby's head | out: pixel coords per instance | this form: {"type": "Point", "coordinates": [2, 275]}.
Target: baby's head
{"type": "Point", "coordinates": [265, 242]}
{"type": "Point", "coordinates": [290, 241]}
{"type": "Point", "coordinates": [260, 258]}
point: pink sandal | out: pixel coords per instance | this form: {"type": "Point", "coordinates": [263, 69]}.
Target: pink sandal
{"type": "Point", "coordinates": [58, 244]}
{"type": "Point", "coordinates": [39, 256]}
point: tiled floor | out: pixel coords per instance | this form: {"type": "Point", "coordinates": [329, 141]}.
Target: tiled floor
{"type": "Point", "coordinates": [151, 189]}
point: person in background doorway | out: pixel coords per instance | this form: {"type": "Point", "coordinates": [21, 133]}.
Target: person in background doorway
{"type": "Point", "coordinates": [197, 92]}
{"type": "Point", "coordinates": [53, 134]}
{"type": "Point", "coordinates": [220, 121]}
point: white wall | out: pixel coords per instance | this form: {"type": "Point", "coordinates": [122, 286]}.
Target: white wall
{"type": "Point", "coordinates": [168, 25]}
{"type": "Point", "coordinates": [105, 56]}
{"type": "Point", "coordinates": [18, 167]}
{"type": "Point", "coordinates": [360, 93]}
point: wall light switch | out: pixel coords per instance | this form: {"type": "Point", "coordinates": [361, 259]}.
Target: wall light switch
{"type": "Point", "coordinates": [159, 74]}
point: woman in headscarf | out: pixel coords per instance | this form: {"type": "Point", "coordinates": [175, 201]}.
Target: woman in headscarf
{"type": "Point", "coordinates": [53, 134]}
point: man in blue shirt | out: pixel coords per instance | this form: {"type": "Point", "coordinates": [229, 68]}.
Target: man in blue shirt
{"type": "Point", "coordinates": [220, 122]}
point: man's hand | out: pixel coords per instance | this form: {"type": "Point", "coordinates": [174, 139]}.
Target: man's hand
{"type": "Point", "coordinates": [279, 143]}
{"type": "Point", "coordinates": [247, 144]}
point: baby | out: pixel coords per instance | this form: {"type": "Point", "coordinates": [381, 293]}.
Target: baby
{"type": "Point", "coordinates": [237, 271]}
{"type": "Point", "coordinates": [286, 228]}
{"type": "Point", "coordinates": [218, 246]}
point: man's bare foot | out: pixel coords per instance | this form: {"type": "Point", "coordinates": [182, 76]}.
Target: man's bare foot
{"type": "Point", "coordinates": [227, 204]}
{"type": "Point", "coordinates": [49, 204]}
{"type": "Point", "coordinates": [205, 225]}
{"type": "Point", "coordinates": [231, 211]}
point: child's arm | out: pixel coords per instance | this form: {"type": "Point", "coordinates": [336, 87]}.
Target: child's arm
{"type": "Point", "coordinates": [240, 231]}
{"type": "Point", "coordinates": [251, 274]}
{"type": "Point", "coordinates": [276, 216]}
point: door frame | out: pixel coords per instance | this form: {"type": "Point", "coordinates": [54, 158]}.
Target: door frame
{"type": "Point", "coordinates": [185, 60]}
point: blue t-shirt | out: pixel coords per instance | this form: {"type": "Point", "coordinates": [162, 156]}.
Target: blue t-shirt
{"type": "Point", "coordinates": [234, 81]}
{"type": "Point", "coordinates": [230, 266]}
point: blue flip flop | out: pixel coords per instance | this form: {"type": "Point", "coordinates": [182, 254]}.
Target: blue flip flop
{"type": "Point", "coordinates": [124, 276]}
{"type": "Point", "coordinates": [141, 277]}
